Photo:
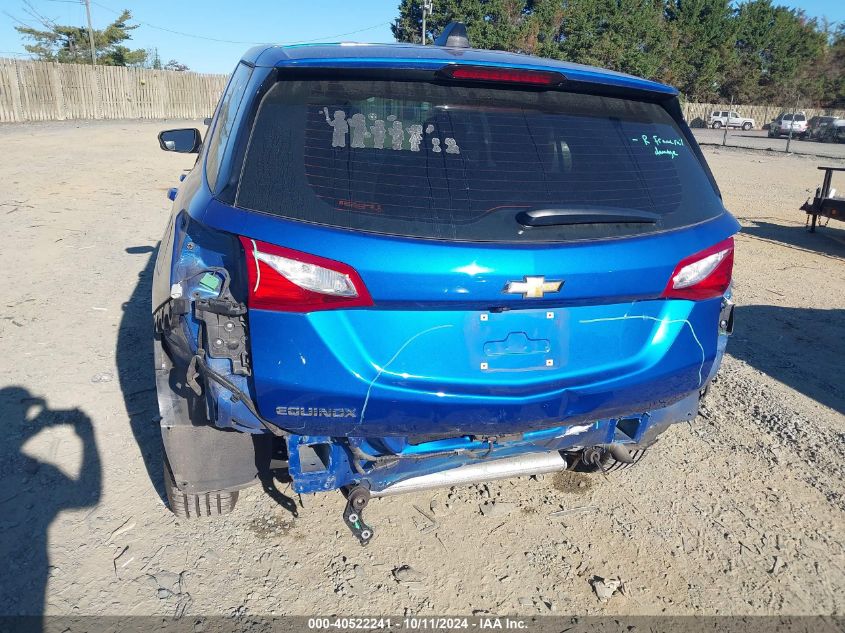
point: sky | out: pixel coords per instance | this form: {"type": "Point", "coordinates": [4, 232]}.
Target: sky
{"type": "Point", "coordinates": [210, 35]}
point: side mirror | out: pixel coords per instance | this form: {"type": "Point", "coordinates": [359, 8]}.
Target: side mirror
{"type": "Point", "coordinates": [185, 141]}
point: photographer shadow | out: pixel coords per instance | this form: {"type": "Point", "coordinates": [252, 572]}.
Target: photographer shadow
{"type": "Point", "coordinates": [34, 492]}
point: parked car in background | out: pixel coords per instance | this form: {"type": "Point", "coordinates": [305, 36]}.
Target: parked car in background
{"type": "Point", "coordinates": [817, 125]}
{"type": "Point", "coordinates": [834, 132]}
{"type": "Point", "coordinates": [797, 121]}
{"type": "Point", "coordinates": [725, 118]}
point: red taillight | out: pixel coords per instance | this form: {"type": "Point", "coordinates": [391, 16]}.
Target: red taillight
{"type": "Point", "coordinates": [502, 75]}
{"type": "Point", "coordinates": [705, 275]}
{"type": "Point", "coordinates": [291, 281]}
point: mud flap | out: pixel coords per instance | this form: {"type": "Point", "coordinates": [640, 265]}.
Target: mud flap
{"type": "Point", "coordinates": [205, 459]}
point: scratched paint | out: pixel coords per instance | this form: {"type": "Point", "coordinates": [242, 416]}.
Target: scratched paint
{"type": "Point", "coordinates": [257, 266]}
{"type": "Point", "coordinates": [575, 430]}
{"type": "Point", "coordinates": [381, 370]}
{"type": "Point", "coordinates": [644, 317]}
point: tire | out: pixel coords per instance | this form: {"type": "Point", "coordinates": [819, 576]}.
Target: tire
{"type": "Point", "coordinates": [746, 126]}
{"type": "Point", "coordinates": [717, 125]}
{"type": "Point", "coordinates": [187, 506]}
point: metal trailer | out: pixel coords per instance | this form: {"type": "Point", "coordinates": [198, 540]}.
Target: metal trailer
{"type": "Point", "coordinates": [823, 204]}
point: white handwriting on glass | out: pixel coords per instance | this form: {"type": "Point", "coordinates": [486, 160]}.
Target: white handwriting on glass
{"type": "Point", "coordinates": [659, 141]}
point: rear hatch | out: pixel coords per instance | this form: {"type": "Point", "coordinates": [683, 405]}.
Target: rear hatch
{"type": "Point", "coordinates": [432, 258]}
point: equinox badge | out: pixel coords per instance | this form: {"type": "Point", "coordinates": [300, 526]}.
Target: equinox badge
{"type": "Point", "coordinates": [532, 287]}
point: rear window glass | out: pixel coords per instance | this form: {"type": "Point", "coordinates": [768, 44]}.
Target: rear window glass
{"type": "Point", "coordinates": [461, 163]}
{"type": "Point", "coordinates": [800, 117]}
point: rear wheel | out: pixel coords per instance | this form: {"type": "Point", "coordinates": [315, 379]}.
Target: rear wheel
{"type": "Point", "coordinates": [717, 125]}
{"type": "Point", "coordinates": [189, 506]}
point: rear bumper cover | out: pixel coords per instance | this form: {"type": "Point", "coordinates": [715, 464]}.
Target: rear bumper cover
{"type": "Point", "coordinates": [604, 362]}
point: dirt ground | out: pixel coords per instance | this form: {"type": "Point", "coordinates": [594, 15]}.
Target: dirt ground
{"type": "Point", "coordinates": [739, 512]}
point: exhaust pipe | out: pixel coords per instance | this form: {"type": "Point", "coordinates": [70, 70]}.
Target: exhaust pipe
{"type": "Point", "coordinates": [620, 453]}
{"type": "Point", "coordinates": [533, 464]}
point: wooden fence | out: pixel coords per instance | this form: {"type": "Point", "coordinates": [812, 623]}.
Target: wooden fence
{"type": "Point", "coordinates": [47, 91]}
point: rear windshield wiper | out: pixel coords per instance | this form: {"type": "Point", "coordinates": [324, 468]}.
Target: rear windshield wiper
{"type": "Point", "coordinates": [585, 215]}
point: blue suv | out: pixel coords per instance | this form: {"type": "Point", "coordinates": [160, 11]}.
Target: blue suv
{"type": "Point", "coordinates": [395, 267]}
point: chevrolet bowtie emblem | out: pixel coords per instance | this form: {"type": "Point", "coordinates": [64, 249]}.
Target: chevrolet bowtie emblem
{"type": "Point", "coordinates": [532, 287]}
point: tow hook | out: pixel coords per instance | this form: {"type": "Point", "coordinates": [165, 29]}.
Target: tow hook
{"type": "Point", "coordinates": [726, 316]}
{"type": "Point", "coordinates": [356, 500]}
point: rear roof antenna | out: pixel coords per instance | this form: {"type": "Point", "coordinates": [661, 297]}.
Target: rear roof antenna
{"type": "Point", "coordinates": [454, 36]}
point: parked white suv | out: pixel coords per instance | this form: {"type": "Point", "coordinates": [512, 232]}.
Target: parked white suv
{"type": "Point", "coordinates": [786, 120]}
{"type": "Point", "coordinates": [724, 118]}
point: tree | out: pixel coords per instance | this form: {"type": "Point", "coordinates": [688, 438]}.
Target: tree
{"type": "Point", "coordinates": [824, 81]}
{"type": "Point", "coordinates": [153, 60]}
{"type": "Point", "coordinates": [773, 44]}
{"type": "Point", "coordinates": [625, 35]}
{"type": "Point", "coordinates": [711, 50]}
{"type": "Point", "coordinates": [177, 66]}
{"type": "Point", "coordinates": [70, 44]}
{"type": "Point", "coordinates": [835, 71]}
{"type": "Point", "coordinates": [703, 36]}
{"type": "Point", "coordinates": [491, 24]}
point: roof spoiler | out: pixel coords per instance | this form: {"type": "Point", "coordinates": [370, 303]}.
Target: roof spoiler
{"type": "Point", "coordinates": [453, 36]}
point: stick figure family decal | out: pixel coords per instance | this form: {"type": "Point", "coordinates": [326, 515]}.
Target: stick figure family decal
{"type": "Point", "coordinates": [358, 129]}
